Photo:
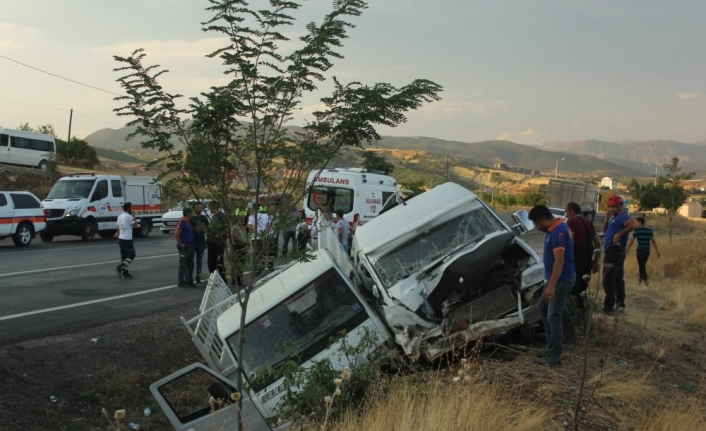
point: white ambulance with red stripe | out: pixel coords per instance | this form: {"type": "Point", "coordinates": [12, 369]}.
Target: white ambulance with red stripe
{"type": "Point", "coordinates": [359, 193]}
{"type": "Point", "coordinates": [87, 203]}
{"type": "Point", "coordinates": [21, 217]}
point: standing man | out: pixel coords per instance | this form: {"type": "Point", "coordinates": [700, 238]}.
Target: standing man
{"type": "Point", "coordinates": [342, 229]}
{"type": "Point", "coordinates": [199, 225]}
{"type": "Point", "coordinates": [617, 226]}
{"type": "Point", "coordinates": [126, 222]}
{"type": "Point", "coordinates": [217, 238]}
{"type": "Point", "coordinates": [184, 235]}
{"type": "Point", "coordinates": [587, 248]}
{"type": "Point", "coordinates": [559, 276]}
{"type": "Point", "coordinates": [273, 234]}
{"type": "Point", "coordinates": [257, 225]}
{"type": "Point", "coordinates": [291, 232]}
{"type": "Point", "coordinates": [644, 237]}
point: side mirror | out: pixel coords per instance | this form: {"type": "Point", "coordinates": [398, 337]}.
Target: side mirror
{"type": "Point", "coordinates": [524, 224]}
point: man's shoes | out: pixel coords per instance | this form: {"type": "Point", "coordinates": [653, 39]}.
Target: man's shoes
{"type": "Point", "coordinates": [120, 271]}
{"type": "Point", "coordinates": [542, 354]}
{"type": "Point", "coordinates": [607, 312]}
{"type": "Point", "coordinates": [198, 281]}
{"type": "Point", "coordinates": [621, 308]}
{"type": "Point", "coordinates": [548, 361]}
{"type": "Point", "coordinates": [126, 274]}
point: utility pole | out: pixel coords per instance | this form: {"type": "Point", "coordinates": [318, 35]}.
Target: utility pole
{"type": "Point", "coordinates": [68, 141]}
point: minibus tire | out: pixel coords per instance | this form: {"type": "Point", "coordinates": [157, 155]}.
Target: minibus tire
{"type": "Point", "coordinates": [46, 237]}
{"type": "Point", "coordinates": [88, 231]}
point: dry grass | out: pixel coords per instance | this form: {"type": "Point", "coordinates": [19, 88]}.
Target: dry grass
{"type": "Point", "coordinates": [437, 404]}
{"type": "Point", "coordinates": [645, 368]}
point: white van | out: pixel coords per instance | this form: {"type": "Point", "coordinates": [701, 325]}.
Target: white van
{"type": "Point", "coordinates": [359, 193]}
{"type": "Point", "coordinates": [18, 147]}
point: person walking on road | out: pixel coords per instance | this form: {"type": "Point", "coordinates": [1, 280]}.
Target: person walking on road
{"type": "Point", "coordinates": [587, 248]}
{"type": "Point", "coordinates": [645, 237]}
{"type": "Point", "coordinates": [184, 235]}
{"type": "Point", "coordinates": [199, 226]}
{"type": "Point", "coordinates": [559, 276]}
{"type": "Point", "coordinates": [217, 239]}
{"type": "Point", "coordinates": [126, 222]}
{"type": "Point", "coordinates": [617, 226]}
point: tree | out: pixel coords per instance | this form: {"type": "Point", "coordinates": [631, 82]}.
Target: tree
{"type": "Point", "coordinates": [671, 189]}
{"type": "Point", "coordinates": [80, 153]}
{"type": "Point", "coordinates": [232, 140]}
{"type": "Point", "coordinates": [374, 162]}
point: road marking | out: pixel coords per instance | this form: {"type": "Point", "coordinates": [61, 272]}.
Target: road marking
{"type": "Point", "coordinates": [35, 250]}
{"type": "Point", "coordinates": [81, 304]}
{"type": "Point", "coordinates": [34, 271]}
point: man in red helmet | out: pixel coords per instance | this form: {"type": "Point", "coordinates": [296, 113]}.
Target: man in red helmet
{"type": "Point", "coordinates": [617, 227]}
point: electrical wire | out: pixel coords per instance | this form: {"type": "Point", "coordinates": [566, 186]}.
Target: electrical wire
{"type": "Point", "coordinates": [95, 119]}
{"type": "Point", "coordinates": [58, 76]}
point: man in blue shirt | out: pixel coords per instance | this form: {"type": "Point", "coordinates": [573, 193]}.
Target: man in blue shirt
{"type": "Point", "coordinates": [559, 276]}
{"type": "Point", "coordinates": [617, 227]}
{"type": "Point", "coordinates": [184, 235]}
{"type": "Point", "coordinates": [645, 237]}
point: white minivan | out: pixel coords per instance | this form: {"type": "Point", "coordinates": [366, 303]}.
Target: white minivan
{"type": "Point", "coordinates": [359, 193]}
{"type": "Point", "coordinates": [18, 147]}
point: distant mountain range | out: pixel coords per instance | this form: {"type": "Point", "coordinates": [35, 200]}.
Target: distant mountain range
{"type": "Point", "coordinates": [636, 153]}
{"type": "Point", "coordinates": [619, 159]}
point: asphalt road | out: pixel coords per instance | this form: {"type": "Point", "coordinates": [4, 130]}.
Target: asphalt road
{"type": "Point", "coordinates": [68, 285]}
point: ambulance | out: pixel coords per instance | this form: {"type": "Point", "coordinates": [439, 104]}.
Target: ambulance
{"type": "Point", "coordinates": [360, 193]}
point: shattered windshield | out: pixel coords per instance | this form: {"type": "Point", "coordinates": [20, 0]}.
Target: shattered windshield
{"type": "Point", "coordinates": [435, 243]}
{"type": "Point", "coordinates": [299, 327]}
{"type": "Point", "coordinates": [71, 189]}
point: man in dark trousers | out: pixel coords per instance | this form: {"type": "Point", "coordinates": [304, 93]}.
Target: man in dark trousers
{"type": "Point", "coordinates": [559, 276]}
{"type": "Point", "coordinates": [587, 248]}
{"type": "Point", "coordinates": [217, 238]}
{"type": "Point", "coordinates": [199, 225]}
{"type": "Point", "coordinates": [645, 237]}
{"type": "Point", "coordinates": [184, 235]}
{"type": "Point", "coordinates": [126, 222]}
{"type": "Point", "coordinates": [617, 227]}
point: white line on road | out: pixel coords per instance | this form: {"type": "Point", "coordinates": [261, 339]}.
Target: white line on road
{"type": "Point", "coordinates": [80, 304]}
{"type": "Point", "coordinates": [40, 250]}
{"type": "Point", "coordinates": [34, 271]}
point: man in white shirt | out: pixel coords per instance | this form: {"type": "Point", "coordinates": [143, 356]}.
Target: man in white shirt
{"type": "Point", "coordinates": [342, 229]}
{"type": "Point", "coordinates": [257, 226]}
{"type": "Point", "coordinates": [127, 249]}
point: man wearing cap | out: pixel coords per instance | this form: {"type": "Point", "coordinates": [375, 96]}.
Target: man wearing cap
{"type": "Point", "coordinates": [617, 227]}
{"type": "Point", "coordinates": [126, 222]}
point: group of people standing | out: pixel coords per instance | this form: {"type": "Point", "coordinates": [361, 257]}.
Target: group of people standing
{"type": "Point", "coordinates": [572, 251]}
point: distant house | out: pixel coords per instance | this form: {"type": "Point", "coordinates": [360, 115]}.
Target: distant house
{"type": "Point", "coordinates": [610, 183]}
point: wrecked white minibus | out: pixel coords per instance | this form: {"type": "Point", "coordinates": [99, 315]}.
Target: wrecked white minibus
{"type": "Point", "coordinates": [426, 277]}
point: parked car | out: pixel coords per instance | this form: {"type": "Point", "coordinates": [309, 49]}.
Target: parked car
{"type": "Point", "coordinates": [171, 218]}
{"type": "Point", "coordinates": [21, 217]}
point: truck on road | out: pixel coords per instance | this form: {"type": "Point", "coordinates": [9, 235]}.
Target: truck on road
{"type": "Point", "coordinates": [426, 277]}
{"type": "Point", "coordinates": [561, 192]}
{"type": "Point", "coordinates": [86, 204]}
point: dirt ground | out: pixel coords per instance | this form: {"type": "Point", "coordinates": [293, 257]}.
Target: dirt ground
{"type": "Point", "coordinates": [14, 178]}
{"type": "Point", "coordinates": [63, 382]}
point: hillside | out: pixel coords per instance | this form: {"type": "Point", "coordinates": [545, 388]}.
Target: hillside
{"type": "Point", "coordinates": [484, 153]}
{"type": "Point", "coordinates": [637, 153]}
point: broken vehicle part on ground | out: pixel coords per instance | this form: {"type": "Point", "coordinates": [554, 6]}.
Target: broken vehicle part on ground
{"type": "Point", "coordinates": [426, 278]}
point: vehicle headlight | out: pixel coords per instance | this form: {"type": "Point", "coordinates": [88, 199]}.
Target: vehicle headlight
{"type": "Point", "coordinates": [73, 211]}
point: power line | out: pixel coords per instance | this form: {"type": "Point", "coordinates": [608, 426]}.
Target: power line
{"type": "Point", "coordinates": [95, 119]}
{"type": "Point", "coordinates": [58, 76]}
{"type": "Point", "coordinates": [34, 106]}
{"type": "Point", "coordinates": [60, 109]}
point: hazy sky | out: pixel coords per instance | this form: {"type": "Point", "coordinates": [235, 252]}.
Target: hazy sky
{"type": "Point", "coordinates": [526, 71]}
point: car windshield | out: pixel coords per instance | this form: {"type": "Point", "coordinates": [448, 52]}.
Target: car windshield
{"type": "Point", "coordinates": [72, 189]}
{"type": "Point", "coordinates": [433, 244]}
{"type": "Point", "coordinates": [299, 327]}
